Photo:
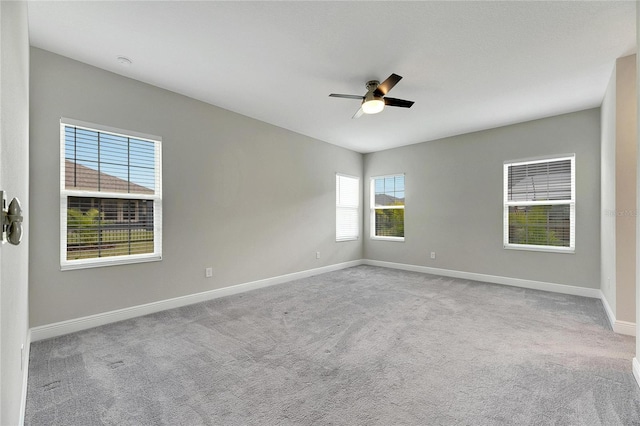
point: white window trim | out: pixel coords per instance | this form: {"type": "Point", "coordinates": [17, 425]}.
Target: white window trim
{"type": "Point", "coordinates": [356, 208]}
{"type": "Point", "coordinates": [572, 206]}
{"type": "Point", "coordinates": [64, 193]}
{"type": "Point", "coordinates": [372, 212]}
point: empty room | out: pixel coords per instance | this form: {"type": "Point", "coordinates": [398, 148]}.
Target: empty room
{"type": "Point", "coordinates": [319, 213]}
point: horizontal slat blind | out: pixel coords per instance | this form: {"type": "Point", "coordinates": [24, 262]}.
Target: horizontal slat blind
{"type": "Point", "coordinates": [102, 227]}
{"type": "Point", "coordinates": [104, 162]}
{"type": "Point", "coordinates": [347, 204]}
{"type": "Point", "coordinates": [389, 222]}
{"type": "Point", "coordinates": [539, 204]}
{"type": "Point", "coordinates": [540, 181]}
{"type": "Point", "coordinates": [111, 199]}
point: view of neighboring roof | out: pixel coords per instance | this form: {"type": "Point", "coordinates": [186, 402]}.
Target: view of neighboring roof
{"type": "Point", "coordinates": [388, 200]}
{"type": "Point", "coordinates": [81, 177]}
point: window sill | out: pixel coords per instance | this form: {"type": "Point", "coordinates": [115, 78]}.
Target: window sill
{"type": "Point", "coordinates": [105, 261]}
{"type": "Point", "coordinates": [396, 239]}
{"type": "Point", "coordinates": [341, 240]}
{"type": "Point", "coordinates": [548, 249]}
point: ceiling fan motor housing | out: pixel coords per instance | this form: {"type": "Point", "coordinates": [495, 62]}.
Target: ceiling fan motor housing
{"type": "Point", "coordinates": [372, 85]}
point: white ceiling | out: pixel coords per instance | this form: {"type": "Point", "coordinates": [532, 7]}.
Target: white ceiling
{"type": "Point", "coordinates": [467, 65]}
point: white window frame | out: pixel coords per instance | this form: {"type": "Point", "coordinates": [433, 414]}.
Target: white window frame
{"type": "Point", "coordinates": [156, 197]}
{"type": "Point", "coordinates": [344, 203]}
{"type": "Point", "coordinates": [571, 203]}
{"type": "Point", "coordinates": [373, 208]}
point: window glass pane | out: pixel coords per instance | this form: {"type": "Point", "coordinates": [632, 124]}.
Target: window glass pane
{"type": "Point", "coordinates": [539, 203]}
{"type": "Point", "coordinates": [389, 185]}
{"type": "Point", "coordinates": [103, 227]}
{"type": "Point", "coordinates": [540, 181]}
{"type": "Point", "coordinates": [106, 224]}
{"type": "Point", "coordinates": [347, 203]}
{"type": "Point", "coordinates": [389, 222]}
{"type": "Point", "coordinates": [346, 223]}
{"type": "Point", "coordinates": [389, 191]}
{"type": "Point", "coordinates": [348, 191]}
{"type": "Point", "coordinates": [379, 186]}
{"type": "Point", "coordinates": [86, 146]}
{"type": "Point", "coordinates": [109, 180]}
{"type": "Point", "coordinates": [545, 225]}
{"type": "Point", "coordinates": [101, 161]}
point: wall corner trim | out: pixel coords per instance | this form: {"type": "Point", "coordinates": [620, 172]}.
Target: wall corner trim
{"type": "Point", "coordinates": [625, 327]}
{"type": "Point", "coordinates": [620, 327]}
{"type": "Point", "coordinates": [636, 370]}
{"type": "Point", "coordinates": [607, 308]}
{"type": "Point", "coordinates": [78, 324]}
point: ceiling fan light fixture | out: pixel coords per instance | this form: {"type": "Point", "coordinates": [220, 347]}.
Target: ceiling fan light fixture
{"type": "Point", "coordinates": [375, 99]}
{"type": "Point", "coordinates": [372, 105]}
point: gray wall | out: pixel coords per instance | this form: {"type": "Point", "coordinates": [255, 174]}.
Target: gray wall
{"type": "Point", "coordinates": [454, 200]}
{"type": "Point", "coordinates": [249, 199]}
{"type": "Point", "coordinates": [608, 193]}
{"type": "Point", "coordinates": [14, 179]}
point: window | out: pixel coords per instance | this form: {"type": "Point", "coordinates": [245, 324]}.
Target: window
{"type": "Point", "coordinates": [539, 204]}
{"type": "Point", "coordinates": [387, 208]}
{"type": "Point", "coordinates": [347, 203]}
{"type": "Point", "coordinates": [110, 196]}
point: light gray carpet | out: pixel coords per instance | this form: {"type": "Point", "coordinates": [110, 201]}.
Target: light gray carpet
{"type": "Point", "coordinates": [361, 346]}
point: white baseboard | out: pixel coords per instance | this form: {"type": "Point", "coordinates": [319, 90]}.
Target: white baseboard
{"type": "Point", "coordinates": [608, 310]}
{"type": "Point", "coordinates": [620, 327]}
{"type": "Point", "coordinates": [25, 378]}
{"type": "Point", "coordinates": [78, 324]}
{"type": "Point", "coordinates": [625, 327]}
{"type": "Point", "coordinates": [515, 282]}
{"type": "Point", "coordinates": [636, 370]}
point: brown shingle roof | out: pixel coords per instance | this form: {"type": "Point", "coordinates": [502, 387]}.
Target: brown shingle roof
{"type": "Point", "coordinates": [77, 176]}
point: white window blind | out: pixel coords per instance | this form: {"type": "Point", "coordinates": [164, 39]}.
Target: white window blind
{"type": "Point", "coordinates": [110, 196]}
{"type": "Point", "coordinates": [347, 204]}
{"type": "Point", "coordinates": [387, 207]}
{"type": "Point", "coordinates": [539, 204]}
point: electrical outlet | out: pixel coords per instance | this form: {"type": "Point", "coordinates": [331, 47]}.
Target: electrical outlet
{"type": "Point", "coordinates": [317, 255]}
{"type": "Point", "coordinates": [433, 254]}
{"type": "Point", "coordinates": [208, 272]}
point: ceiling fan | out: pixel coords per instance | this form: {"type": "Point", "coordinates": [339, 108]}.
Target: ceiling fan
{"type": "Point", "coordinates": [375, 100]}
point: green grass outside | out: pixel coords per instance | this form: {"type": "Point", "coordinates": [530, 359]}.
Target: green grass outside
{"type": "Point", "coordinates": [84, 244]}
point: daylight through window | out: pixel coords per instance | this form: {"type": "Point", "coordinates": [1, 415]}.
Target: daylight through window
{"type": "Point", "coordinates": [111, 196]}
{"type": "Point", "coordinates": [347, 204]}
{"type": "Point", "coordinates": [387, 207]}
{"type": "Point", "coordinates": [539, 204]}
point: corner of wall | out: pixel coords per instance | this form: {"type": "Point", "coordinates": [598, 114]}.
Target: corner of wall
{"type": "Point", "coordinates": [636, 366]}
{"type": "Point", "coordinates": [608, 196]}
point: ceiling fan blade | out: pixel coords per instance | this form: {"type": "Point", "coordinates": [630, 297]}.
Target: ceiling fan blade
{"type": "Point", "coordinates": [398, 102]}
{"type": "Point", "coordinates": [358, 113]}
{"type": "Point", "coordinates": [338, 95]}
{"type": "Point", "coordinates": [387, 85]}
